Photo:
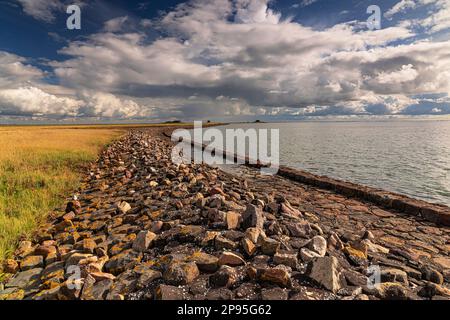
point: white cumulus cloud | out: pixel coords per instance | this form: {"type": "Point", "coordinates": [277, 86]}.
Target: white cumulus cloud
{"type": "Point", "coordinates": [34, 101]}
{"type": "Point", "coordinates": [14, 70]}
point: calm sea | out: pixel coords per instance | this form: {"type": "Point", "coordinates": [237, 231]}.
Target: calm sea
{"type": "Point", "coordinates": [407, 157]}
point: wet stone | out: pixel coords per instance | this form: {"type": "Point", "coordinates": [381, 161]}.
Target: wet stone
{"type": "Point", "coordinates": [430, 290]}
{"type": "Point", "coordinates": [300, 229]}
{"type": "Point", "coordinates": [205, 262]}
{"type": "Point", "coordinates": [394, 275]}
{"type": "Point", "coordinates": [391, 291]}
{"type": "Point", "coordinates": [334, 242]}
{"type": "Point", "coordinates": [100, 276]}
{"type": "Point", "coordinates": [123, 285]}
{"type": "Point", "coordinates": [31, 262]}
{"type": "Point", "coordinates": [12, 294]}
{"type": "Point", "coordinates": [232, 220]}
{"type": "Point", "coordinates": [248, 290]}
{"type": "Point", "coordinates": [26, 279]}
{"type": "Point", "coordinates": [355, 278]}
{"type": "Point", "coordinates": [224, 277]}
{"type": "Point", "coordinates": [274, 294]}
{"type": "Point", "coordinates": [233, 235]}
{"type": "Point", "coordinates": [288, 259]}
{"type": "Point", "coordinates": [318, 245]}
{"type": "Point", "coordinates": [98, 291]}
{"type": "Point", "coordinates": [253, 217]}
{"type": "Point", "coordinates": [24, 249]}
{"type": "Point", "coordinates": [123, 207]}
{"type": "Point", "coordinates": [123, 261]}
{"type": "Point", "coordinates": [269, 246]}
{"type": "Point", "coordinates": [190, 233]}
{"type": "Point", "coordinates": [10, 266]}
{"type": "Point", "coordinates": [88, 246]}
{"type": "Point", "coordinates": [222, 243]}
{"type": "Point", "coordinates": [308, 255]}
{"type": "Point", "coordinates": [248, 246]}
{"type": "Point", "coordinates": [278, 276]}
{"type": "Point", "coordinates": [54, 270]}
{"type": "Point", "coordinates": [432, 275]}
{"type": "Point", "coordinates": [69, 216]}
{"type": "Point", "coordinates": [166, 292]}
{"type": "Point", "coordinates": [219, 294]}
{"type": "Point", "coordinates": [181, 273]}
{"type": "Point", "coordinates": [230, 259]}
{"type": "Point", "coordinates": [49, 294]}
{"type": "Point", "coordinates": [199, 286]}
{"type": "Point", "coordinates": [45, 250]}
{"type": "Point", "coordinates": [254, 234]}
{"type": "Point", "coordinates": [143, 241]}
{"type": "Point", "coordinates": [75, 258]}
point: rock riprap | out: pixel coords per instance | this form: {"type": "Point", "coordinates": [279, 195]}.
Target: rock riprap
{"type": "Point", "coordinates": [142, 227]}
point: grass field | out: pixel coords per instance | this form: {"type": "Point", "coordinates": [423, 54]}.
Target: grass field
{"type": "Point", "coordinates": [38, 169]}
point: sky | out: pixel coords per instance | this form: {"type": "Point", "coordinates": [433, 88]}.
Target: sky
{"type": "Point", "coordinates": [225, 60]}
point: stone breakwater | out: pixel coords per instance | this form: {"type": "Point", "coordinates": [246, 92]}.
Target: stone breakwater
{"type": "Point", "coordinates": [144, 228]}
{"type": "Point", "coordinates": [437, 213]}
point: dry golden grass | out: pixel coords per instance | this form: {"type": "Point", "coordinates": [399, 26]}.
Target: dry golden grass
{"type": "Point", "coordinates": [38, 169]}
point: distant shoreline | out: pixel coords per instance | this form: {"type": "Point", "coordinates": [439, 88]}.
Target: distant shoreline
{"type": "Point", "coordinates": [362, 118]}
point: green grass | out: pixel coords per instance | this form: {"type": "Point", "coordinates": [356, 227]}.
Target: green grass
{"type": "Point", "coordinates": [39, 167]}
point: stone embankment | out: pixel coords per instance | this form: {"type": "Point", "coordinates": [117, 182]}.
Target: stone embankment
{"type": "Point", "coordinates": [144, 228]}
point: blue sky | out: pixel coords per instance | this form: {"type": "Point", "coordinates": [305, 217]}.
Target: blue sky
{"type": "Point", "coordinates": [222, 59]}
{"type": "Point", "coordinates": [20, 32]}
